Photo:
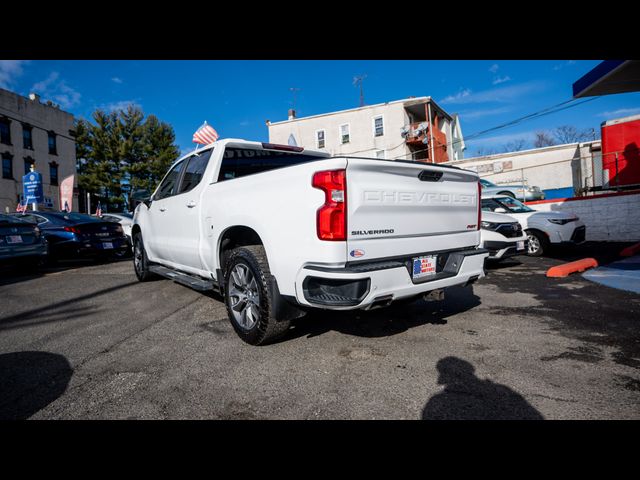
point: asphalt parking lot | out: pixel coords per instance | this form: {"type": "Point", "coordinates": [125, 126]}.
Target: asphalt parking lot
{"type": "Point", "coordinates": [85, 341]}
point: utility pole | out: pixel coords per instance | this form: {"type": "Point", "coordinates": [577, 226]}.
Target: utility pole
{"type": "Point", "coordinates": [357, 80]}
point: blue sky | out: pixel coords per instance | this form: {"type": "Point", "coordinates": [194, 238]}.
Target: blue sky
{"type": "Point", "coordinates": [236, 97]}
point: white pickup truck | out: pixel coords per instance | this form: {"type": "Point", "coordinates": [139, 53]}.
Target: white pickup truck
{"type": "Point", "coordinates": [278, 230]}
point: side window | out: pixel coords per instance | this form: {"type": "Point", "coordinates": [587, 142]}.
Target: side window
{"type": "Point", "coordinates": [27, 218]}
{"type": "Point", "coordinates": [378, 126]}
{"type": "Point", "coordinates": [320, 139]}
{"type": "Point", "coordinates": [168, 185]}
{"type": "Point", "coordinates": [194, 171]}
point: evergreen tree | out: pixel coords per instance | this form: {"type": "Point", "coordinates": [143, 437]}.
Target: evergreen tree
{"type": "Point", "coordinates": [122, 148]}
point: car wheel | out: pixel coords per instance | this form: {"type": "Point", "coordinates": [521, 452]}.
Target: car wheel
{"type": "Point", "coordinates": [140, 262]}
{"type": "Point", "coordinates": [538, 244]}
{"type": "Point", "coordinates": [508, 194]}
{"type": "Point", "coordinates": [248, 296]}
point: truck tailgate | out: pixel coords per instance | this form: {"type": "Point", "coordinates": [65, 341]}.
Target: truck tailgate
{"type": "Point", "coordinates": [400, 208]}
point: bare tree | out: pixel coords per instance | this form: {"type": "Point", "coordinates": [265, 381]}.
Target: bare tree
{"type": "Point", "coordinates": [543, 139]}
{"type": "Point", "coordinates": [515, 146]}
{"type": "Point", "coordinates": [570, 134]}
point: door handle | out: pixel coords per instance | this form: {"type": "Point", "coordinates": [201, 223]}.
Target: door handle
{"type": "Point", "coordinates": [162, 209]}
{"type": "Point", "coordinates": [191, 204]}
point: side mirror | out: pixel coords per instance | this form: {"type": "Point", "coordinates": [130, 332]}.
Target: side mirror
{"type": "Point", "coordinates": [142, 196]}
{"type": "Point", "coordinates": [500, 210]}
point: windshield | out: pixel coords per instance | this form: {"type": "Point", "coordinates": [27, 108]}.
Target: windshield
{"type": "Point", "coordinates": [511, 205]}
{"type": "Point", "coordinates": [487, 183]}
{"type": "Point", "coordinates": [126, 215]}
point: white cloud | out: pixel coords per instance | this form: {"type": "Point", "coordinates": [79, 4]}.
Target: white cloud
{"type": "Point", "coordinates": [120, 105]}
{"type": "Point", "coordinates": [10, 70]}
{"type": "Point", "coordinates": [117, 80]}
{"type": "Point", "coordinates": [245, 123]}
{"type": "Point", "coordinates": [494, 68]}
{"type": "Point", "coordinates": [500, 95]}
{"type": "Point", "coordinates": [57, 90]}
{"type": "Point", "coordinates": [620, 112]}
{"type": "Point", "coordinates": [565, 64]}
{"type": "Point", "coordinates": [458, 97]}
{"type": "Point", "coordinates": [499, 80]}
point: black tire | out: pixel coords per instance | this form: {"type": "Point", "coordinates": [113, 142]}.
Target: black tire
{"type": "Point", "coordinates": [538, 243]}
{"type": "Point", "coordinates": [265, 328]}
{"type": "Point", "coordinates": [141, 267]}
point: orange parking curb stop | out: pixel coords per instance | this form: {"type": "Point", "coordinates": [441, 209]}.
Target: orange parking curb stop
{"type": "Point", "coordinates": [571, 267]}
{"type": "Point", "coordinates": [630, 251]}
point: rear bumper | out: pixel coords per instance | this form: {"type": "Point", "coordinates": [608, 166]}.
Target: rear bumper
{"type": "Point", "coordinates": [362, 285]}
{"type": "Point", "coordinates": [81, 249]}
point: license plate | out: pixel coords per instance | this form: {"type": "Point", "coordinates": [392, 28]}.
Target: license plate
{"type": "Point", "coordinates": [424, 266]}
{"type": "Point", "coordinates": [520, 245]}
{"type": "Point", "coordinates": [14, 239]}
{"type": "Point", "coordinates": [107, 245]}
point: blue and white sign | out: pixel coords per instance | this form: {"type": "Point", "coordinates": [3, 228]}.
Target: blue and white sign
{"type": "Point", "coordinates": [32, 187]}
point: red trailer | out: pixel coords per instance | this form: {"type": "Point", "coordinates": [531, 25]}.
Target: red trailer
{"type": "Point", "coordinates": [620, 151]}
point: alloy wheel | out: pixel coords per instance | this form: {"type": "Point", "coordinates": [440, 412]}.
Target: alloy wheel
{"type": "Point", "coordinates": [244, 296]}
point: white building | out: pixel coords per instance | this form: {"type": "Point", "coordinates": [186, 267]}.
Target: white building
{"type": "Point", "coordinates": [34, 133]}
{"type": "Point", "coordinates": [413, 128]}
{"type": "Point", "coordinates": [560, 170]}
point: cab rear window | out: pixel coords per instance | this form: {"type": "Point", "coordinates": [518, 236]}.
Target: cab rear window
{"type": "Point", "coordinates": [240, 162]}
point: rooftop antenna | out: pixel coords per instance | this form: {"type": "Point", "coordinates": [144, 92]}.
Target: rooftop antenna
{"type": "Point", "coordinates": [295, 91]}
{"type": "Point", "coordinates": [357, 80]}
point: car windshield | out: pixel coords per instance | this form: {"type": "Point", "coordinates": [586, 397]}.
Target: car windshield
{"type": "Point", "coordinates": [511, 205]}
{"type": "Point", "coordinates": [487, 183]}
{"type": "Point", "coordinates": [126, 215]}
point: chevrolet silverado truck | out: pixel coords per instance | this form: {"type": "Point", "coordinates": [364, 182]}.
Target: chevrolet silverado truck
{"type": "Point", "coordinates": [278, 230]}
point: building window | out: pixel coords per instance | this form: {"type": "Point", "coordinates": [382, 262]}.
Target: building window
{"type": "Point", "coordinates": [52, 143]}
{"type": "Point", "coordinates": [7, 165]}
{"type": "Point", "coordinates": [320, 139]}
{"type": "Point", "coordinates": [378, 126]}
{"type": "Point", "coordinates": [27, 140]}
{"type": "Point", "coordinates": [28, 161]}
{"type": "Point", "coordinates": [53, 173]}
{"type": "Point", "coordinates": [344, 133]}
{"type": "Point", "coordinates": [380, 154]}
{"type": "Point", "coordinates": [5, 131]}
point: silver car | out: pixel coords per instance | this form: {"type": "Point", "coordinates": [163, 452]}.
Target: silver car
{"type": "Point", "coordinates": [521, 192]}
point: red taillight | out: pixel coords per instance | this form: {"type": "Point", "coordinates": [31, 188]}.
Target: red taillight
{"type": "Point", "coordinates": [332, 216]}
{"type": "Point", "coordinates": [71, 229]}
{"type": "Point", "coordinates": [479, 205]}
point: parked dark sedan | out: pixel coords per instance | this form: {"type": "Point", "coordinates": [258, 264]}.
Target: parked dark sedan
{"type": "Point", "coordinates": [21, 242]}
{"type": "Point", "coordinates": [75, 234]}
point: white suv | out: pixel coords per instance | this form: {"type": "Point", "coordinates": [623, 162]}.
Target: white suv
{"type": "Point", "coordinates": [502, 235]}
{"type": "Point", "coordinates": [543, 228]}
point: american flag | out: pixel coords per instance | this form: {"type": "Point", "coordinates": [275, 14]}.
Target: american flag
{"type": "Point", "coordinates": [98, 210]}
{"type": "Point", "coordinates": [205, 135]}
{"type": "Point", "coordinates": [21, 208]}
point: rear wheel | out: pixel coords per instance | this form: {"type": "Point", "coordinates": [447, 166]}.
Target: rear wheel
{"type": "Point", "coordinates": [140, 262]}
{"type": "Point", "coordinates": [538, 244]}
{"type": "Point", "coordinates": [248, 296]}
